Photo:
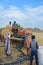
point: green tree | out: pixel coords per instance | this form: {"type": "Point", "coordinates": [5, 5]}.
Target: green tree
{"type": "Point", "coordinates": [19, 27]}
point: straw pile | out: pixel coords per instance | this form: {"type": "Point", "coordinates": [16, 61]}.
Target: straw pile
{"type": "Point", "coordinates": [6, 30]}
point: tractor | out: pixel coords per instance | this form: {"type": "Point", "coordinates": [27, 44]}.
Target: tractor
{"type": "Point", "coordinates": [16, 34]}
{"type": "Point", "coordinates": [21, 33]}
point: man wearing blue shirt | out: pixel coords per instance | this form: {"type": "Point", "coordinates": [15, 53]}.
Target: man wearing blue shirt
{"type": "Point", "coordinates": [34, 50]}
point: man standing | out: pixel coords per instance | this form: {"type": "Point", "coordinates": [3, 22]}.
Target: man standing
{"type": "Point", "coordinates": [34, 52]}
{"type": "Point", "coordinates": [15, 28]}
{"type": "Point", "coordinates": [7, 45]}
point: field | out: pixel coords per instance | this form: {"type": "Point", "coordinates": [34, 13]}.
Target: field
{"type": "Point", "coordinates": [39, 37]}
{"type": "Point", "coordinates": [18, 56]}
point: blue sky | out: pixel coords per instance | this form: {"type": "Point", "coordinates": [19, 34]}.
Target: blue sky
{"type": "Point", "coordinates": [28, 13]}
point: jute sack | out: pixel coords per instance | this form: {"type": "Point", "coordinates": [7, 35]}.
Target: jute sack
{"type": "Point", "coordinates": [40, 55]}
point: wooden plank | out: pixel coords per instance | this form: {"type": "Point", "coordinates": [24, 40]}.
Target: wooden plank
{"type": "Point", "coordinates": [15, 38]}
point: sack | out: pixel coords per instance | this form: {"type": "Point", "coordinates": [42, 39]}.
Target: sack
{"type": "Point", "coordinates": [40, 55]}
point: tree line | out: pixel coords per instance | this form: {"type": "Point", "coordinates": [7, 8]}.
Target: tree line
{"type": "Point", "coordinates": [21, 28]}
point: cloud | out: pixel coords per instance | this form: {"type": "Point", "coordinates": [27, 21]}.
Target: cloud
{"type": "Point", "coordinates": [13, 12]}
{"type": "Point", "coordinates": [29, 16]}
{"type": "Point", "coordinates": [35, 14]}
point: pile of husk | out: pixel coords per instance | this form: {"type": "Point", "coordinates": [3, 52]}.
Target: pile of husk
{"type": "Point", "coordinates": [6, 30]}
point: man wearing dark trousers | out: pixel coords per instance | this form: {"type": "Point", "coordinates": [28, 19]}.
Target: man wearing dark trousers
{"type": "Point", "coordinates": [34, 50]}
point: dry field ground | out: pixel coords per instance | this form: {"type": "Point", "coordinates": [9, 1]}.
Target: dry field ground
{"type": "Point", "coordinates": [39, 37]}
{"type": "Point", "coordinates": [18, 56]}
